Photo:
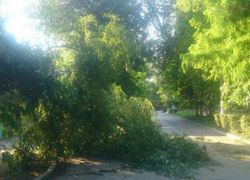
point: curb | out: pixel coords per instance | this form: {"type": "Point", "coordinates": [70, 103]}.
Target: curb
{"type": "Point", "coordinates": [48, 175]}
{"type": "Point", "coordinates": [229, 135]}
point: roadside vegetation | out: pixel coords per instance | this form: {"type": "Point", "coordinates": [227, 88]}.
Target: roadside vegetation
{"type": "Point", "coordinates": [237, 124]}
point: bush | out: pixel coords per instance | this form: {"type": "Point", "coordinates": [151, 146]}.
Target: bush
{"type": "Point", "coordinates": [234, 123]}
{"type": "Point", "coordinates": [224, 121]}
{"type": "Point", "coordinates": [217, 119]}
{"type": "Point", "coordinates": [24, 157]}
{"type": "Point", "coordinates": [245, 125]}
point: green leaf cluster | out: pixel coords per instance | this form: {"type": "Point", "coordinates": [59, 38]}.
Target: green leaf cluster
{"type": "Point", "coordinates": [221, 46]}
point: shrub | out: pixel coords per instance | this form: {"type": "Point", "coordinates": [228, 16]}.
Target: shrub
{"type": "Point", "coordinates": [234, 122]}
{"type": "Point", "coordinates": [217, 119]}
{"type": "Point", "coordinates": [245, 125]}
{"type": "Point", "coordinates": [24, 157]}
{"type": "Point", "coordinates": [223, 121]}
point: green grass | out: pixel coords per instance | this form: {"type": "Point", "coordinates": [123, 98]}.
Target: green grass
{"type": "Point", "coordinates": [206, 121]}
{"type": "Point", "coordinates": [185, 114]}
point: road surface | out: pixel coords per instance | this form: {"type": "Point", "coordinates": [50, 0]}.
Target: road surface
{"type": "Point", "coordinates": [233, 157]}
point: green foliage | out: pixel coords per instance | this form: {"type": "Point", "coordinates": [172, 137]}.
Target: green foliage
{"type": "Point", "coordinates": [221, 45]}
{"type": "Point", "coordinates": [185, 113]}
{"type": "Point", "coordinates": [245, 125]}
{"type": "Point", "coordinates": [184, 87]}
{"type": "Point", "coordinates": [239, 124]}
{"type": "Point", "coordinates": [217, 119]}
{"type": "Point", "coordinates": [24, 156]}
{"type": "Point", "coordinates": [128, 132]}
{"type": "Point", "coordinates": [134, 129]}
{"type": "Point", "coordinates": [223, 121]}
{"type": "Point", "coordinates": [81, 28]}
{"type": "Point", "coordinates": [8, 158]}
{"type": "Point", "coordinates": [235, 124]}
{"type": "Point", "coordinates": [138, 140]}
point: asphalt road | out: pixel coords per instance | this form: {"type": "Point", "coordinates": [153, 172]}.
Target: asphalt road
{"type": "Point", "coordinates": [174, 124]}
{"type": "Point", "coordinates": [233, 157]}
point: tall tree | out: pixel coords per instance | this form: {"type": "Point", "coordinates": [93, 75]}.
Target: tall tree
{"type": "Point", "coordinates": [221, 45]}
{"type": "Point", "coordinates": [62, 19]}
{"type": "Point", "coordinates": [175, 37]}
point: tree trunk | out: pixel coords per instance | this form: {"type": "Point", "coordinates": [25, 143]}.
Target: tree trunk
{"type": "Point", "coordinates": [197, 109]}
{"type": "Point", "coordinates": [209, 111]}
{"type": "Point", "coordinates": [201, 109]}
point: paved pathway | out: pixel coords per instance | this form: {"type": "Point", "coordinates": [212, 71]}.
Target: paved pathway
{"type": "Point", "coordinates": [174, 124]}
{"type": "Point", "coordinates": [233, 157]}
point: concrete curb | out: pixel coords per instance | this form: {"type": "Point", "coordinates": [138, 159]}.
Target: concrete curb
{"type": "Point", "coordinates": [48, 175]}
{"type": "Point", "coordinates": [229, 135]}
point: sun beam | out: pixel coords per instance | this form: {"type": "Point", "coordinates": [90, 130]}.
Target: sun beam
{"type": "Point", "coordinates": [20, 24]}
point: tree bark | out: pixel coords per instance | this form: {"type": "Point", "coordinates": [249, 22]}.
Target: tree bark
{"type": "Point", "coordinates": [197, 109]}
{"type": "Point", "coordinates": [201, 109]}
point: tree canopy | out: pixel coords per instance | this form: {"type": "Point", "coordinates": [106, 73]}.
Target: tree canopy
{"type": "Point", "coordinates": [221, 45]}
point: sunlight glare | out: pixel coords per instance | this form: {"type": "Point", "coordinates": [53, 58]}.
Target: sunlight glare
{"type": "Point", "coordinates": [20, 24]}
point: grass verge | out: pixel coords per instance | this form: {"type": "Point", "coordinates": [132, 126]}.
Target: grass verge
{"type": "Point", "coordinates": [206, 121]}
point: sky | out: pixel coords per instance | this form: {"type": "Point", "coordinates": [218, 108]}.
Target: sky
{"type": "Point", "coordinates": [20, 24]}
